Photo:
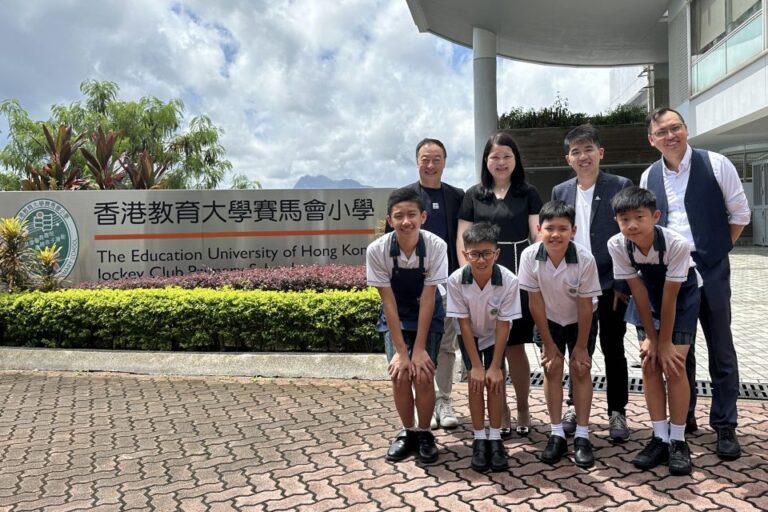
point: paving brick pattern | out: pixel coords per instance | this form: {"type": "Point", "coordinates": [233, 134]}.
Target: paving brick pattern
{"type": "Point", "coordinates": [117, 442]}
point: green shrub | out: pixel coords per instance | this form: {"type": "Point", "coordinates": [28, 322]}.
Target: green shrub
{"type": "Point", "coordinates": [192, 320]}
{"type": "Point", "coordinates": [559, 115]}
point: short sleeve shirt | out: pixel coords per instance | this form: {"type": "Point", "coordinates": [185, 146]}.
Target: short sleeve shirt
{"type": "Point", "coordinates": [499, 299]}
{"type": "Point", "coordinates": [677, 257]}
{"type": "Point", "coordinates": [510, 214]}
{"type": "Point", "coordinates": [561, 286]}
{"type": "Point", "coordinates": [379, 265]}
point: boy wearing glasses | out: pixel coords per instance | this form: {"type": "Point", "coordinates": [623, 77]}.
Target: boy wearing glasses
{"type": "Point", "coordinates": [562, 282]}
{"type": "Point", "coordinates": [485, 298]}
{"type": "Point", "coordinates": [700, 196]}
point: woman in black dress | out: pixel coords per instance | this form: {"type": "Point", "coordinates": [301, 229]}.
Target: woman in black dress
{"type": "Point", "coordinates": [504, 198]}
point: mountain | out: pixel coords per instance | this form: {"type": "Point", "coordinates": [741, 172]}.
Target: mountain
{"type": "Point", "coordinates": [321, 181]}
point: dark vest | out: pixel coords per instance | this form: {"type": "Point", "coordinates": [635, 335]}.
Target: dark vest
{"type": "Point", "coordinates": [704, 205]}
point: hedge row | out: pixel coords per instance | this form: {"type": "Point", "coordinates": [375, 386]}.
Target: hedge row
{"type": "Point", "coordinates": [193, 320]}
{"type": "Point", "coordinates": [298, 278]}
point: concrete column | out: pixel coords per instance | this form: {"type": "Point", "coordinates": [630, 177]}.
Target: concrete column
{"type": "Point", "coordinates": [486, 116]}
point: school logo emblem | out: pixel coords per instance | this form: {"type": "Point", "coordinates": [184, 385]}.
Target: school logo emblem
{"type": "Point", "coordinates": [50, 223]}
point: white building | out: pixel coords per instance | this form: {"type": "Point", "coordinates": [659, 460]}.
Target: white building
{"type": "Point", "coordinates": [708, 59]}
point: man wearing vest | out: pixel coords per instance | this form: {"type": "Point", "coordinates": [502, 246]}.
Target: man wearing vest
{"type": "Point", "coordinates": [441, 202]}
{"type": "Point", "coordinates": [701, 197]}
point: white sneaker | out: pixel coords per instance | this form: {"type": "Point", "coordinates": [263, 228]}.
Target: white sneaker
{"type": "Point", "coordinates": [444, 415]}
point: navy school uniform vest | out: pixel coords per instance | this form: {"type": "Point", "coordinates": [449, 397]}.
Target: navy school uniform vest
{"type": "Point", "coordinates": [704, 205]}
{"type": "Point", "coordinates": [407, 285]}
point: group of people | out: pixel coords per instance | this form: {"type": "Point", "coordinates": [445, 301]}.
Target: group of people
{"type": "Point", "coordinates": [493, 269]}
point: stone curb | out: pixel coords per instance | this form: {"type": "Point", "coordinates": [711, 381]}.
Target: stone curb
{"type": "Point", "coordinates": [321, 366]}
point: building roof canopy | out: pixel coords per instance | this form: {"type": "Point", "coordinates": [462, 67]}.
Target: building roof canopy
{"type": "Point", "coordinates": [559, 32]}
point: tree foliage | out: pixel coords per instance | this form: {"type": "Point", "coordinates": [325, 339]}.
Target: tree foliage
{"type": "Point", "coordinates": [192, 156]}
{"type": "Point", "coordinates": [559, 115]}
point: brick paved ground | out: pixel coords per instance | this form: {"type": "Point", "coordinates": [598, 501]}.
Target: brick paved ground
{"type": "Point", "coordinates": [112, 442]}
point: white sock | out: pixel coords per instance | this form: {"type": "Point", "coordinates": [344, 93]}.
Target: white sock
{"type": "Point", "coordinates": [582, 431]}
{"type": "Point", "coordinates": [480, 434]}
{"type": "Point", "coordinates": [661, 430]}
{"type": "Point", "coordinates": [494, 434]}
{"type": "Point", "coordinates": [676, 432]}
{"type": "Point", "coordinates": [557, 430]}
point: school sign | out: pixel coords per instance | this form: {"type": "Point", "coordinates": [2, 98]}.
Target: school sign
{"type": "Point", "coordinates": [108, 235]}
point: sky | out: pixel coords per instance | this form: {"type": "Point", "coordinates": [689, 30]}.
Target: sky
{"type": "Point", "coordinates": [344, 88]}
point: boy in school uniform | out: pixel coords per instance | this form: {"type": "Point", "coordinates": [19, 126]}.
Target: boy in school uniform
{"type": "Point", "coordinates": [485, 298]}
{"type": "Point", "coordinates": [657, 264]}
{"type": "Point", "coordinates": [406, 266]}
{"type": "Point", "coordinates": [562, 282]}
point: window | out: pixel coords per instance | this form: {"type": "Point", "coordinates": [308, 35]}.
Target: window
{"type": "Point", "coordinates": [726, 34]}
{"type": "Point", "coordinates": [713, 20]}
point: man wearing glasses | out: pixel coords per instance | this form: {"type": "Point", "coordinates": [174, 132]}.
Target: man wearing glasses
{"type": "Point", "coordinates": [441, 202]}
{"type": "Point", "coordinates": [701, 197]}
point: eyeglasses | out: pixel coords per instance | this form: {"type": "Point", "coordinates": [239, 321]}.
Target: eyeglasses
{"type": "Point", "coordinates": [663, 132]}
{"type": "Point", "coordinates": [485, 255]}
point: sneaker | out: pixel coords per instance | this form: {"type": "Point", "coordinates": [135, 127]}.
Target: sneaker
{"type": "Point", "coordinates": [655, 452]}
{"type": "Point", "coordinates": [404, 444]}
{"type": "Point", "coordinates": [427, 447]}
{"type": "Point", "coordinates": [569, 421]}
{"type": "Point", "coordinates": [728, 447]}
{"type": "Point", "coordinates": [618, 430]}
{"type": "Point", "coordinates": [582, 453]}
{"type": "Point", "coordinates": [554, 451]}
{"type": "Point", "coordinates": [679, 458]}
{"type": "Point", "coordinates": [480, 452]}
{"type": "Point", "coordinates": [444, 415]}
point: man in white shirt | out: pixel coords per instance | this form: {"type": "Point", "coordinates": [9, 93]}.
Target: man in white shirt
{"type": "Point", "coordinates": [701, 197]}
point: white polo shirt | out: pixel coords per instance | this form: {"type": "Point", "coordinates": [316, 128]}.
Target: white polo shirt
{"type": "Point", "coordinates": [379, 265]}
{"type": "Point", "coordinates": [677, 257]}
{"type": "Point", "coordinates": [561, 286]}
{"type": "Point", "coordinates": [498, 300]}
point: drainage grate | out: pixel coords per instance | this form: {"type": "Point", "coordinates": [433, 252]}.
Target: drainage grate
{"type": "Point", "coordinates": [747, 390]}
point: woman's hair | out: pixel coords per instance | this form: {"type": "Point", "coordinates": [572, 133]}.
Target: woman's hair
{"type": "Point", "coordinates": [518, 185]}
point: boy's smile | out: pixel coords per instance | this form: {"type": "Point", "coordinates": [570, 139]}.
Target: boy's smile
{"type": "Point", "coordinates": [555, 235]}
{"type": "Point", "coordinates": [637, 226]}
{"type": "Point", "coordinates": [406, 219]}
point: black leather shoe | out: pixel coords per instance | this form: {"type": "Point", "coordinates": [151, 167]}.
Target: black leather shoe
{"type": "Point", "coordinates": [679, 458]}
{"type": "Point", "coordinates": [427, 447]}
{"type": "Point", "coordinates": [582, 453]}
{"type": "Point", "coordinates": [727, 445]}
{"type": "Point", "coordinates": [506, 433]}
{"type": "Point", "coordinates": [655, 452]}
{"type": "Point", "coordinates": [499, 460]}
{"type": "Point", "coordinates": [404, 444]}
{"type": "Point", "coordinates": [480, 449]}
{"type": "Point", "coordinates": [690, 423]}
{"type": "Point", "coordinates": [554, 451]}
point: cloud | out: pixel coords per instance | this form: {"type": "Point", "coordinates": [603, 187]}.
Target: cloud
{"type": "Point", "coordinates": [344, 88]}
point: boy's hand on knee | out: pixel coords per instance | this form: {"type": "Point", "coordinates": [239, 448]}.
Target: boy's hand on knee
{"type": "Point", "coordinates": [399, 367]}
{"type": "Point", "coordinates": [476, 379]}
{"type": "Point", "coordinates": [672, 362]}
{"type": "Point", "coordinates": [422, 366]}
{"type": "Point", "coordinates": [647, 354]}
{"type": "Point", "coordinates": [549, 355]}
{"type": "Point", "coordinates": [581, 363]}
{"type": "Point", "coordinates": [494, 379]}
